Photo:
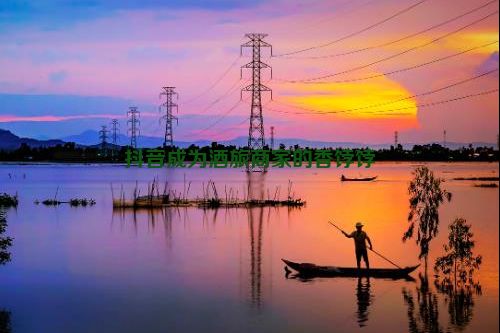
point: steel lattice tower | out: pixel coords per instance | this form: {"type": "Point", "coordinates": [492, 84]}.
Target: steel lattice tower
{"type": "Point", "coordinates": [168, 117]}
{"type": "Point", "coordinates": [134, 122]}
{"type": "Point", "coordinates": [256, 129]}
{"type": "Point", "coordinates": [115, 129]}
{"type": "Point", "coordinates": [103, 136]}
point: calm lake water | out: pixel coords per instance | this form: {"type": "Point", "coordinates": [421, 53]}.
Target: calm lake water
{"type": "Point", "coordinates": [93, 269]}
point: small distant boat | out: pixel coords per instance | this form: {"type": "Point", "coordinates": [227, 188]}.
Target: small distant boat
{"type": "Point", "coordinates": [367, 179]}
{"type": "Point", "coordinates": [312, 270]}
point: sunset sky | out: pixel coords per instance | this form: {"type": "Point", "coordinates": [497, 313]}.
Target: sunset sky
{"type": "Point", "coordinates": [343, 70]}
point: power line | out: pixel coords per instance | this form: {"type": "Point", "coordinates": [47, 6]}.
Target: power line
{"type": "Point", "coordinates": [219, 117]}
{"type": "Point", "coordinates": [482, 93]}
{"type": "Point", "coordinates": [399, 39]}
{"type": "Point", "coordinates": [354, 33]}
{"type": "Point", "coordinates": [228, 92]}
{"type": "Point", "coordinates": [405, 69]}
{"type": "Point", "coordinates": [222, 116]}
{"type": "Point", "coordinates": [215, 83]}
{"type": "Point", "coordinates": [337, 10]}
{"type": "Point", "coordinates": [226, 113]}
{"type": "Point", "coordinates": [232, 127]}
{"type": "Point", "coordinates": [430, 92]}
{"type": "Point", "coordinates": [424, 105]}
{"type": "Point", "coordinates": [394, 55]}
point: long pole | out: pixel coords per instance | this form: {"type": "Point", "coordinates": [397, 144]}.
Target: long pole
{"type": "Point", "coordinates": [381, 256]}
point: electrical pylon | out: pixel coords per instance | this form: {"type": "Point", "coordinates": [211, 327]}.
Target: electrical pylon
{"type": "Point", "coordinates": [134, 123]}
{"type": "Point", "coordinates": [256, 129]}
{"type": "Point", "coordinates": [168, 117]}
{"type": "Point", "coordinates": [115, 129]}
{"type": "Point", "coordinates": [396, 139]}
{"type": "Point", "coordinates": [103, 136]}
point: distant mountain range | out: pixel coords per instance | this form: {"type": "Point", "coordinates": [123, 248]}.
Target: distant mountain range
{"type": "Point", "coordinates": [9, 141]}
{"type": "Point", "coordinates": [92, 137]}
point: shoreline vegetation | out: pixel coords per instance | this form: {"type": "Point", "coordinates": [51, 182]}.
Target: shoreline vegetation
{"type": "Point", "coordinates": [211, 198]}
{"type": "Point", "coordinates": [73, 202]}
{"type": "Point", "coordinates": [72, 153]}
{"type": "Point", "coordinates": [7, 200]}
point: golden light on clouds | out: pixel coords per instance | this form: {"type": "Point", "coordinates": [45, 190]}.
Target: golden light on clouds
{"type": "Point", "coordinates": [475, 38]}
{"type": "Point", "coordinates": [379, 98]}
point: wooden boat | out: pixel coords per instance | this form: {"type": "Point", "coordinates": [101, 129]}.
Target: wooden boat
{"type": "Point", "coordinates": [367, 179]}
{"type": "Point", "coordinates": [312, 270]}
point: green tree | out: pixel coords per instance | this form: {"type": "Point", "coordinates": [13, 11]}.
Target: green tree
{"type": "Point", "coordinates": [459, 263]}
{"type": "Point", "coordinates": [426, 195]}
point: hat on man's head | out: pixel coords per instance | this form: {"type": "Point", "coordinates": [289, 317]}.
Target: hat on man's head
{"type": "Point", "coordinates": [359, 224]}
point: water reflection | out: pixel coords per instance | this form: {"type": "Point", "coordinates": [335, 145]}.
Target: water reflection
{"type": "Point", "coordinates": [5, 325]}
{"type": "Point", "coordinates": [423, 311]}
{"type": "Point", "coordinates": [255, 225]}
{"type": "Point", "coordinates": [364, 298]}
{"type": "Point", "coordinates": [460, 303]}
{"type": "Point", "coordinates": [255, 187]}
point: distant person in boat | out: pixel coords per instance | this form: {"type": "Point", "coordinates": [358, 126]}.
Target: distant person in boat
{"type": "Point", "coordinates": [360, 239]}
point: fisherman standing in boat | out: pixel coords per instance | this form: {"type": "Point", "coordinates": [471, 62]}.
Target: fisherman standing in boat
{"type": "Point", "coordinates": [360, 239]}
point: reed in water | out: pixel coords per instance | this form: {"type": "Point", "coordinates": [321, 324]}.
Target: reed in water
{"type": "Point", "coordinates": [211, 197]}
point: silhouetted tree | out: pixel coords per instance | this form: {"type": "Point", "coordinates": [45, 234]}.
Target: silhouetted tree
{"type": "Point", "coordinates": [5, 326]}
{"type": "Point", "coordinates": [426, 195]}
{"type": "Point", "coordinates": [5, 242]}
{"type": "Point", "coordinates": [458, 266]}
{"type": "Point", "coordinates": [459, 261]}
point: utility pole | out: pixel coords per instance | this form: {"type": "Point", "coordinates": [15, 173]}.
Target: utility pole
{"type": "Point", "coordinates": [272, 137]}
{"type": "Point", "coordinates": [256, 128]}
{"type": "Point", "coordinates": [115, 129]}
{"type": "Point", "coordinates": [396, 139]}
{"type": "Point", "coordinates": [103, 136]}
{"type": "Point", "coordinates": [444, 138]}
{"type": "Point", "coordinates": [133, 122]}
{"type": "Point", "coordinates": [168, 106]}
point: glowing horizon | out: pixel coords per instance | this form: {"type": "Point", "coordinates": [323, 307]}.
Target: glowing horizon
{"type": "Point", "coordinates": [127, 52]}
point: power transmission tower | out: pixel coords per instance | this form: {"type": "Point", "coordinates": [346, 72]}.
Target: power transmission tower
{"type": "Point", "coordinates": [115, 130]}
{"type": "Point", "coordinates": [103, 136]}
{"type": "Point", "coordinates": [444, 138]}
{"type": "Point", "coordinates": [134, 123]}
{"type": "Point", "coordinates": [396, 142]}
{"type": "Point", "coordinates": [168, 106]}
{"type": "Point", "coordinates": [272, 137]}
{"type": "Point", "coordinates": [256, 129]}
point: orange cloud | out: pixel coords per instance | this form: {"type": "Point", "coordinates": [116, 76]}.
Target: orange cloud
{"type": "Point", "coordinates": [376, 99]}
{"type": "Point", "coordinates": [475, 38]}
